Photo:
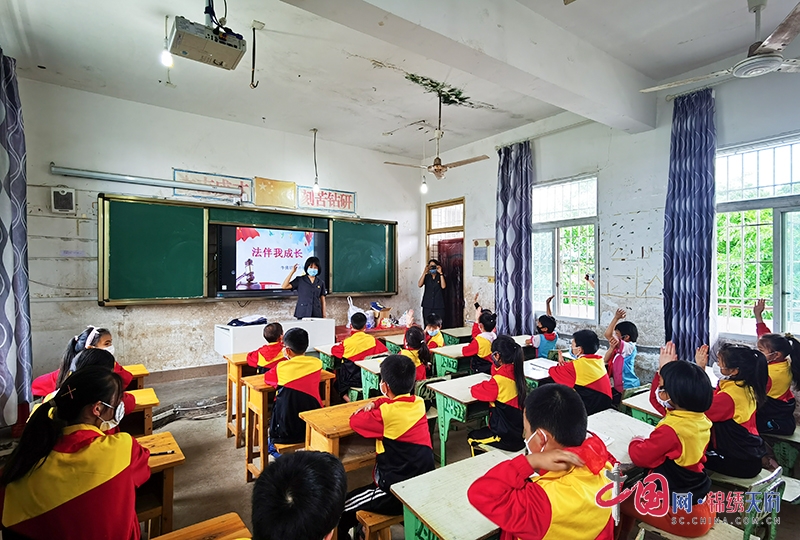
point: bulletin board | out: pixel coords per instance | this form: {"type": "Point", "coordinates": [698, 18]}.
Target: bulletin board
{"type": "Point", "coordinates": [483, 257]}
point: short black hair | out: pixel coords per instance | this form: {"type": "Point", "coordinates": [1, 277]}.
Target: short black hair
{"type": "Point", "coordinates": [310, 261]}
{"type": "Point", "coordinates": [587, 340]}
{"type": "Point", "coordinates": [434, 261]}
{"type": "Point", "coordinates": [627, 328]}
{"type": "Point", "coordinates": [296, 340]}
{"type": "Point", "coordinates": [358, 321]}
{"type": "Point", "coordinates": [559, 410]}
{"type": "Point", "coordinates": [547, 322]}
{"type": "Point", "coordinates": [399, 373]}
{"type": "Point", "coordinates": [299, 496]}
{"type": "Point", "coordinates": [488, 320]}
{"type": "Point", "coordinates": [94, 357]}
{"type": "Point", "coordinates": [433, 320]}
{"type": "Point", "coordinates": [687, 385]}
{"type": "Point", "coordinates": [273, 332]}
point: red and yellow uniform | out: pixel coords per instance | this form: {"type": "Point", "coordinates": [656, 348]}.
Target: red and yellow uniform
{"type": "Point", "coordinates": [480, 349]}
{"type": "Point", "coordinates": [48, 383]}
{"type": "Point", "coordinates": [776, 416]}
{"type": "Point", "coordinates": [434, 341]}
{"type": "Point", "coordinates": [505, 418]}
{"type": "Point", "coordinates": [551, 506]}
{"type": "Point", "coordinates": [297, 381]}
{"type": "Point", "coordinates": [358, 346]}
{"type": "Point", "coordinates": [422, 372]}
{"type": "Point", "coordinates": [267, 356]}
{"type": "Point", "coordinates": [84, 490]}
{"type": "Point", "coordinates": [733, 412]}
{"type": "Point", "coordinates": [589, 377]}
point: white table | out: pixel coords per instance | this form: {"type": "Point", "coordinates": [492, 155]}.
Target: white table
{"type": "Point", "coordinates": [642, 409]}
{"type": "Point", "coordinates": [449, 359]}
{"type": "Point", "coordinates": [520, 340]}
{"type": "Point", "coordinates": [617, 430]}
{"type": "Point", "coordinates": [325, 355]}
{"type": "Point", "coordinates": [454, 401]}
{"type": "Point", "coordinates": [395, 342]}
{"type": "Point", "coordinates": [370, 374]}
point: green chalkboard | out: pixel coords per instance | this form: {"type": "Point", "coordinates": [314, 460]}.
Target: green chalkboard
{"type": "Point", "coordinates": [362, 257]}
{"type": "Point", "coordinates": [231, 216]}
{"type": "Point", "coordinates": [154, 251]}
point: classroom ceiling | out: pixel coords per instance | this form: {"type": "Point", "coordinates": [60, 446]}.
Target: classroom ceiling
{"type": "Point", "coordinates": [340, 66]}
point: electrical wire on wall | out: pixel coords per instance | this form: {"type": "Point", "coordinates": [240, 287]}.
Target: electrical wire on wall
{"type": "Point", "coordinates": [253, 67]}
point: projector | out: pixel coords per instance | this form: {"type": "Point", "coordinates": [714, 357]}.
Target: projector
{"type": "Point", "coordinates": [199, 42]}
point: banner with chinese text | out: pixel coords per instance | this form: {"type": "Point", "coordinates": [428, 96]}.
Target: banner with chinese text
{"type": "Point", "coordinates": [330, 200]}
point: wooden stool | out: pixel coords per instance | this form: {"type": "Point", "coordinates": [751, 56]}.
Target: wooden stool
{"type": "Point", "coordinates": [720, 531]}
{"type": "Point", "coordinates": [376, 526]}
{"type": "Point", "coordinates": [289, 448]}
{"type": "Point", "coordinates": [227, 527]}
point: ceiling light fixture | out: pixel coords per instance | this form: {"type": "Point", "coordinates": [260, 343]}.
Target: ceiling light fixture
{"type": "Point", "coordinates": [424, 187]}
{"type": "Point", "coordinates": [316, 174]}
{"type": "Point", "coordinates": [166, 57]}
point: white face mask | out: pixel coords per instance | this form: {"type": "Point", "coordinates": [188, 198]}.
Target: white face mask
{"type": "Point", "coordinates": [432, 332]}
{"type": "Point", "coordinates": [528, 450]}
{"type": "Point", "coordinates": [718, 373]}
{"type": "Point", "coordinates": [380, 387]}
{"type": "Point", "coordinates": [110, 349]}
{"type": "Point", "coordinates": [119, 414]}
{"type": "Point", "coordinates": [663, 402]}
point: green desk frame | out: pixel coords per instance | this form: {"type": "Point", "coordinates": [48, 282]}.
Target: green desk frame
{"type": "Point", "coordinates": [445, 365]}
{"type": "Point", "coordinates": [448, 409]}
{"type": "Point", "coordinates": [417, 530]}
{"type": "Point", "coordinates": [369, 381]}
{"type": "Point", "coordinates": [644, 417]}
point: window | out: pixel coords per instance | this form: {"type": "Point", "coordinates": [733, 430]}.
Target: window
{"type": "Point", "coordinates": [758, 193]}
{"type": "Point", "coordinates": [565, 247]}
{"type": "Point", "coordinates": [445, 221]}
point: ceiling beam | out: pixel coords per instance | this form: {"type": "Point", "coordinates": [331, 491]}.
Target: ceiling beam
{"type": "Point", "coordinates": [508, 44]}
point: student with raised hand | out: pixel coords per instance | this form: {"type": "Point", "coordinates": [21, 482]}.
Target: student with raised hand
{"type": "Point", "coordinates": [545, 339]}
{"type": "Point", "coordinates": [417, 350]}
{"type": "Point", "coordinates": [433, 331]}
{"type": "Point", "coordinates": [586, 374]}
{"type": "Point", "coordinates": [621, 355]}
{"type": "Point", "coordinates": [480, 348]}
{"type": "Point", "coordinates": [67, 479]}
{"type": "Point", "coordinates": [736, 447]}
{"type": "Point", "coordinates": [266, 357]}
{"type": "Point", "coordinates": [505, 392]}
{"type": "Point", "coordinates": [299, 497]}
{"type": "Point", "coordinates": [358, 346]}
{"type": "Point", "coordinates": [776, 415]}
{"type": "Point", "coordinates": [550, 492]}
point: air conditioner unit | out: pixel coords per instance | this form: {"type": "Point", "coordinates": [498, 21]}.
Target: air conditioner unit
{"type": "Point", "coordinates": [62, 201]}
{"type": "Point", "coordinates": [199, 42]}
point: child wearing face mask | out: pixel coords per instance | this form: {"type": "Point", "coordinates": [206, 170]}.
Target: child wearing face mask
{"type": "Point", "coordinates": [621, 354]}
{"type": "Point", "coordinates": [736, 447]}
{"type": "Point", "coordinates": [549, 493]}
{"type": "Point", "coordinates": [480, 348]}
{"type": "Point", "coordinates": [545, 338]}
{"type": "Point", "coordinates": [66, 476]}
{"type": "Point", "coordinates": [505, 392]}
{"type": "Point", "coordinates": [403, 443]}
{"type": "Point", "coordinates": [433, 331]}
{"type": "Point", "coordinates": [267, 356]}
{"type": "Point", "coordinates": [418, 352]}
{"type": "Point", "coordinates": [586, 374]}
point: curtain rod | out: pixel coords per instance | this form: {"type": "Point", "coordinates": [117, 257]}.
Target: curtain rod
{"type": "Point", "coordinates": [671, 97]}
{"type": "Point", "coordinates": [584, 122]}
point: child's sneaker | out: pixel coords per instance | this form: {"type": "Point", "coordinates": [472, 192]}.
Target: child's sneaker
{"type": "Point", "coordinates": [377, 306]}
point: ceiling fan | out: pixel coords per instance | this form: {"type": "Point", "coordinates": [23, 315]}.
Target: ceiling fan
{"type": "Point", "coordinates": [438, 169]}
{"type": "Point", "coordinates": [763, 56]}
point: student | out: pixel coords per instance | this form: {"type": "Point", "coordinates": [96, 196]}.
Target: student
{"type": "Point", "coordinates": [299, 497]}
{"type": "Point", "coordinates": [433, 331]}
{"type": "Point", "coordinates": [676, 447]}
{"type": "Point", "coordinates": [480, 348]}
{"type": "Point", "coordinates": [418, 352]}
{"type": "Point", "coordinates": [266, 357]}
{"type": "Point", "coordinates": [66, 476]}
{"type": "Point", "coordinates": [776, 416]}
{"type": "Point", "coordinates": [545, 338]}
{"type": "Point", "coordinates": [403, 443]}
{"type": "Point", "coordinates": [559, 502]}
{"type": "Point", "coordinates": [505, 392]}
{"type": "Point", "coordinates": [297, 380]}
{"type": "Point", "coordinates": [621, 354]}
{"type": "Point", "coordinates": [357, 347]}
{"type": "Point", "coordinates": [587, 374]}
{"type": "Point", "coordinates": [736, 447]}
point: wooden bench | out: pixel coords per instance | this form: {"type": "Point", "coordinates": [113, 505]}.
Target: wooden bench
{"type": "Point", "coordinates": [376, 526]}
{"type": "Point", "coordinates": [226, 527]}
{"type": "Point", "coordinates": [720, 531]}
{"type": "Point", "coordinates": [791, 494]}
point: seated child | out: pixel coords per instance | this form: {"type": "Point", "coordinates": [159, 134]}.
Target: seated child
{"type": "Point", "coordinates": [545, 338]}
{"type": "Point", "coordinates": [776, 416]}
{"type": "Point", "coordinates": [403, 442]}
{"type": "Point", "coordinates": [505, 392]}
{"type": "Point", "coordinates": [433, 331]}
{"type": "Point", "coordinates": [736, 447]}
{"type": "Point", "coordinates": [549, 493]}
{"type": "Point", "coordinates": [621, 354]}
{"type": "Point", "coordinates": [299, 497]}
{"type": "Point", "coordinates": [417, 350]}
{"type": "Point", "coordinates": [358, 346]}
{"type": "Point", "coordinates": [265, 358]}
{"type": "Point", "coordinates": [480, 348]}
{"type": "Point", "coordinates": [297, 380]}
{"type": "Point", "coordinates": [587, 374]}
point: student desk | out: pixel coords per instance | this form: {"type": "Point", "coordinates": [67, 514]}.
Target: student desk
{"type": "Point", "coordinates": [139, 372]}
{"type": "Point", "coordinates": [454, 336]}
{"type": "Point", "coordinates": [328, 430]}
{"type": "Point", "coordinates": [370, 374]}
{"type": "Point", "coordinates": [140, 421]}
{"type": "Point", "coordinates": [617, 430]}
{"type": "Point", "coordinates": [237, 369]}
{"type": "Point", "coordinates": [326, 356]}
{"type": "Point", "coordinates": [455, 402]}
{"type": "Point", "coordinates": [537, 370]}
{"type": "Point", "coordinates": [394, 343]}
{"type": "Point", "coordinates": [435, 504]}
{"type": "Point", "coordinates": [642, 409]}
{"type": "Point", "coordinates": [154, 498]}
{"type": "Point", "coordinates": [448, 359]}
{"type": "Point", "coordinates": [227, 527]}
{"type": "Point", "coordinates": [786, 450]}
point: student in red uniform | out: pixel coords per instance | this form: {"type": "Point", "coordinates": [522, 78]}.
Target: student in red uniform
{"type": "Point", "coordinates": [418, 352]}
{"type": "Point", "coordinates": [297, 380]}
{"type": "Point", "coordinates": [68, 480]}
{"type": "Point", "coordinates": [776, 415]}
{"type": "Point", "coordinates": [587, 374]}
{"type": "Point", "coordinates": [299, 497]}
{"type": "Point", "coordinates": [403, 443]}
{"type": "Point", "coordinates": [736, 447]}
{"type": "Point", "coordinates": [357, 347]}
{"type": "Point", "coordinates": [558, 503]}
{"type": "Point", "coordinates": [505, 392]}
{"type": "Point", "coordinates": [433, 331]}
{"type": "Point", "coordinates": [676, 447]}
{"type": "Point", "coordinates": [265, 358]}
{"type": "Point", "coordinates": [480, 348]}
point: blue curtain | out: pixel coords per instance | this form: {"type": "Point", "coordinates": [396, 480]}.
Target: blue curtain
{"type": "Point", "coordinates": [689, 223]}
{"type": "Point", "coordinates": [513, 229]}
{"type": "Point", "coordinates": [15, 319]}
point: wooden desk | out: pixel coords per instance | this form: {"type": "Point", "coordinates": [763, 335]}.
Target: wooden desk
{"type": "Point", "coordinates": [140, 421]}
{"type": "Point", "coordinates": [227, 527]}
{"type": "Point", "coordinates": [155, 497]}
{"type": "Point", "coordinates": [537, 370]}
{"type": "Point", "coordinates": [328, 430]}
{"type": "Point", "coordinates": [455, 402]}
{"type": "Point", "coordinates": [435, 504]}
{"type": "Point", "coordinates": [617, 430]}
{"type": "Point", "coordinates": [642, 409]}
{"type": "Point", "coordinates": [326, 356]}
{"type": "Point", "coordinates": [454, 336]}
{"type": "Point", "coordinates": [343, 332]}
{"type": "Point", "coordinates": [448, 359]}
{"type": "Point", "coordinates": [139, 372]}
{"type": "Point", "coordinates": [237, 369]}
{"type": "Point", "coordinates": [394, 343]}
{"type": "Point", "coordinates": [370, 374]}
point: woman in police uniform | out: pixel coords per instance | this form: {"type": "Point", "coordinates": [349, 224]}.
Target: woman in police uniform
{"type": "Point", "coordinates": [310, 289]}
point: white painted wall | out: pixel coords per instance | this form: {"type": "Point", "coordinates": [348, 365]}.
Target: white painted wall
{"type": "Point", "coordinates": [84, 130]}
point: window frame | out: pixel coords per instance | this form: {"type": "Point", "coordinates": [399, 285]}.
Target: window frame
{"type": "Point", "coordinates": [429, 230]}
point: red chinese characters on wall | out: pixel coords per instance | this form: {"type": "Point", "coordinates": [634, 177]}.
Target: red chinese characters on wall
{"type": "Point", "coordinates": [326, 199]}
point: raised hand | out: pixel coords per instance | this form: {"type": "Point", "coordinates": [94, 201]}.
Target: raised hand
{"type": "Point", "coordinates": [667, 355]}
{"type": "Point", "coordinates": [701, 356]}
{"type": "Point", "coordinates": [758, 309]}
{"type": "Point", "coordinates": [620, 314]}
